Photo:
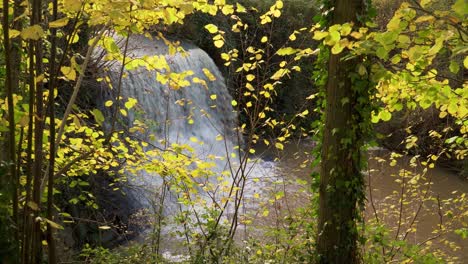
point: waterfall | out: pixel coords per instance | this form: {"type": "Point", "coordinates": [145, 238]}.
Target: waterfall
{"type": "Point", "coordinates": [198, 115]}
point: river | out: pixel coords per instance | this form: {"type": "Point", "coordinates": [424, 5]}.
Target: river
{"type": "Point", "coordinates": [430, 212]}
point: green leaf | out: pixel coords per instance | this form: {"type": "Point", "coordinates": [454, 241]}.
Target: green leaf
{"type": "Point", "coordinates": [381, 52]}
{"type": "Point", "coordinates": [454, 67]}
{"type": "Point", "coordinates": [385, 115]}
{"type": "Point", "coordinates": [460, 7]}
{"type": "Point", "coordinates": [333, 38]}
{"type": "Point", "coordinates": [98, 116]}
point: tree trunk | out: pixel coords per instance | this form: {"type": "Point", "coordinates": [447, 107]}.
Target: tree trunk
{"type": "Point", "coordinates": [341, 183]}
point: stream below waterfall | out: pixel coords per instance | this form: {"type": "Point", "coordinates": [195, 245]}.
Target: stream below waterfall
{"type": "Point", "coordinates": [292, 171]}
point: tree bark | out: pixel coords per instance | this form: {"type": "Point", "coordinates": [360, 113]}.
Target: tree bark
{"type": "Point", "coordinates": [340, 177]}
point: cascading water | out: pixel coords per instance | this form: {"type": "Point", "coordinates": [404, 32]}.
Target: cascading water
{"type": "Point", "coordinates": [198, 115]}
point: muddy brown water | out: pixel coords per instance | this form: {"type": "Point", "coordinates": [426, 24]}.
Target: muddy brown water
{"type": "Point", "coordinates": [288, 172]}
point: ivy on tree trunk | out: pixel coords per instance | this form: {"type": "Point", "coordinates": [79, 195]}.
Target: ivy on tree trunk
{"type": "Point", "coordinates": [341, 183]}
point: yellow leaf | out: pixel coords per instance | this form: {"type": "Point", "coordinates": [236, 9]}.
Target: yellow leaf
{"type": "Point", "coordinates": [318, 35]}
{"type": "Point", "coordinates": [276, 13]}
{"type": "Point", "coordinates": [227, 9]}
{"type": "Point", "coordinates": [250, 77]}
{"type": "Point", "coordinates": [292, 37]}
{"type": "Point", "coordinates": [13, 33]}
{"type": "Point", "coordinates": [211, 28]}
{"type": "Point", "coordinates": [279, 4]}
{"type": "Point", "coordinates": [249, 87]}
{"type": "Point", "coordinates": [264, 39]}
{"type": "Point", "coordinates": [104, 227]}
{"type": "Point", "coordinates": [130, 103]}
{"type": "Point", "coordinates": [72, 5]}
{"type": "Point", "coordinates": [59, 23]}
{"type": "Point", "coordinates": [240, 8]}
{"type": "Point", "coordinates": [286, 51]}
{"type": "Point", "coordinates": [68, 72]}
{"type": "Point", "coordinates": [109, 103]}
{"type": "Point", "coordinates": [213, 97]}
{"type": "Point", "coordinates": [34, 32]}
{"type": "Point", "coordinates": [53, 224]}
{"type": "Point", "coordinates": [233, 102]}
{"type": "Point", "coordinates": [208, 74]}
{"type": "Point", "coordinates": [33, 206]}
{"type": "Point", "coordinates": [219, 43]}
{"type": "Point", "coordinates": [279, 146]}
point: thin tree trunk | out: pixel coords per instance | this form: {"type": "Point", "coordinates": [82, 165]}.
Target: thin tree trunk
{"type": "Point", "coordinates": [11, 156]}
{"type": "Point", "coordinates": [340, 177]}
{"type": "Point", "coordinates": [38, 135]}
{"type": "Point", "coordinates": [51, 165]}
